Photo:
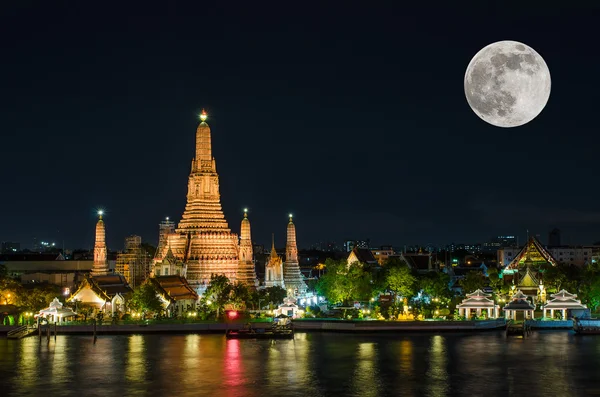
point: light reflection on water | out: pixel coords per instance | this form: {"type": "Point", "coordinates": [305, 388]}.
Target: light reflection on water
{"type": "Point", "coordinates": [488, 364]}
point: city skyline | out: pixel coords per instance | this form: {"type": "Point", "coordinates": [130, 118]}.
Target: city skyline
{"type": "Point", "coordinates": [357, 131]}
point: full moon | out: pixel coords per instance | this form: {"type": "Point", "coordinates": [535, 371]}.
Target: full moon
{"type": "Point", "coordinates": [507, 84]}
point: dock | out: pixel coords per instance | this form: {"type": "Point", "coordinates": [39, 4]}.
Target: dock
{"type": "Point", "coordinates": [21, 332]}
{"type": "Point", "coordinates": [520, 328]}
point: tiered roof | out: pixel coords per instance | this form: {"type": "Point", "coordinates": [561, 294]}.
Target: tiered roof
{"type": "Point", "coordinates": [533, 253]}
{"type": "Point", "coordinates": [477, 299]}
{"type": "Point", "coordinates": [519, 302]}
{"type": "Point", "coordinates": [528, 279]}
{"type": "Point", "coordinates": [564, 300]}
{"type": "Point", "coordinates": [56, 309]}
{"type": "Point", "coordinates": [105, 287]}
{"type": "Point", "coordinates": [174, 288]}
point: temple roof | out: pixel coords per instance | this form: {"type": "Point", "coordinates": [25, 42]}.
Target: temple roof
{"type": "Point", "coordinates": [417, 261]}
{"type": "Point", "coordinates": [563, 294]}
{"type": "Point", "coordinates": [174, 288]}
{"type": "Point", "coordinates": [56, 308]}
{"type": "Point", "coordinates": [564, 300]}
{"type": "Point", "coordinates": [478, 294]}
{"type": "Point", "coordinates": [475, 303]}
{"type": "Point", "coordinates": [362, 255]}
{"type": "Point", "coordinates": [519, 302]}
{"type": "Point", "coordinates": [105, 287]}
{"type": "Point", "coordinates": [528, 279]}
{"type": "Point", "coordinates": [565, 304]}
{"type": "Point", "coordinates": [534, 253]}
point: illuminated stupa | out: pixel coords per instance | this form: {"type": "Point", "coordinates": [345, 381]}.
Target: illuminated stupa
{"type": "Point", "coordinates": [203, 240]}
{"type": "Point", "coordinates": [100, 267]}
{"type": "Point", "coordinates": [292, 277]}
{"type": "Point", "coordinates": [246, 272]}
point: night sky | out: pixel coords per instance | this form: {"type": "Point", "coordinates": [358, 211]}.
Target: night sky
{"type": "Point", "coordinates": [351, 117]}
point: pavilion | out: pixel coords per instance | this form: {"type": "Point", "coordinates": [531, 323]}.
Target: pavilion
{"type": "Point", "coordinates": [518, 304]}
{"type": "Point", "coordinates": [563, 301]}
{"type": "Point", "coordinates": [479, 301]}
{"type": "Point", "coordinates": [55, 312]}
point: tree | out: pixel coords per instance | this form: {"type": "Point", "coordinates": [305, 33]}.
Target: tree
{"type": "Point", "coordinates": [10, 291]}
{"type": "Point", "coordinates": [275, 294]}
{"type": "Point", "coordinates": [401, 281]}
{"type": "Point", "coordinates": [342, 283]}
{"type": "Point", "coordinates": [145, 299]}
{"type": "Point", "coordinates": [472, 282]}
{"type": "Point", "coordinates": [435, 284]}
{"type": "Point", "coordinates": [218, 292]}
{"type": "Point", "coordinates": [496, 282]}
{"type": "Point", "coordinates": [239, 295]}
{"type": "Point", "coordinates": [38, 297]}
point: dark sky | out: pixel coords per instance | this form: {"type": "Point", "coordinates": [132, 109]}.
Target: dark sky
{"type": "Point", "coordinates": [352, 117]}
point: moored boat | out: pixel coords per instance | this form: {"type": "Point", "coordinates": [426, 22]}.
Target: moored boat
{"type": "Point", "coordinates": [588, 326]}
{"type": "Point", "coordinates": [260, 334]}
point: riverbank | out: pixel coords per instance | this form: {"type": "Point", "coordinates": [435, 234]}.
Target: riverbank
{"type": "Point", "coordinates": [299, 325]}
{"type": "Point", "coordinates": [398, 326]}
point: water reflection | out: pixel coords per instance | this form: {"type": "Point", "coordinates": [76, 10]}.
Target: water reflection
{"type": "Point", "coordinates": [135, 368]}
{"type": "Point", "coordinates": [437, 374]}
{"type": "Point", "coordinates": [311, 365]}
{"type": "Point", "coordinates": [366, 377]}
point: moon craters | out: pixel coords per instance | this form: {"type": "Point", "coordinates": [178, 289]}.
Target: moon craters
{"type": "Point", "coordinates": [507, 84]}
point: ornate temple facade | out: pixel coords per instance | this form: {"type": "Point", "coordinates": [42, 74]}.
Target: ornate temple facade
{"type": "Point", "coordinates": [100, 267]}
{"type": "Point", "coordinates": [274, 269]}
{"type": "Point", "coordinates": [526, 270]}
{"type": "Point", "coordinates": [202, 241]}
{"type": "Point", "coordinates": [292, 277]}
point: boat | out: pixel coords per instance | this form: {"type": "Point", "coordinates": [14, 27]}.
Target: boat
{"type": "Point", "coordinates": [586, 326]}
{"type": "Point", "coordinates": [276, 332]}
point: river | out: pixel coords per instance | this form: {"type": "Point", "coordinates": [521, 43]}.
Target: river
{"type": "Point", "coordinates": [313, 364]}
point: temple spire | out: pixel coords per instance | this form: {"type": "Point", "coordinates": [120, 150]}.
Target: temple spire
{"type": "Point", "coordinates": [273, 251]}
{"type": "Point", "coordinates": [292, 276]}
{"type": "Point", "coordinates": [204, 159]}
{"type": "Point", "coordinates": [246, 273]}
{"type": "Point", "coordinates": [100, 266]}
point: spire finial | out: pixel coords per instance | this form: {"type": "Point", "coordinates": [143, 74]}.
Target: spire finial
{"type": "Point", "coordinates": [100, 213]}
{"type": "Point", "coordinates": [245, 213]}
{"type": "Point", "coordinates": [203, 115]}
{"type": "Point", "coordinates": [272, 241]}
{"type": "Point", "coordinates": [291, 216]}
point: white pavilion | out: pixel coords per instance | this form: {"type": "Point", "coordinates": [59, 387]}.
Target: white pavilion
{"type": "Point", "coordinates": [55, 312]}
{"type": "Point", "coordinates": [562, 302]}
{"type": "Point", "coordinates": [519, 304]}
{"type": "Point", "coordinates": [478, 301]}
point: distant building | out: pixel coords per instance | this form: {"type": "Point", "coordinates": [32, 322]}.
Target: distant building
{"type": "Point", "coordinates": [383, 253]}
{"type": "Point", "coordinates": [349, 245]}
{"type": "Point", "coordinates": [554, 238]}
{"type": "Point", "coordinates": [9, 246]}
{"type": "Point", "coordinates": [500, 242]}
{"type": "Point", "coordinates": [134, 263]}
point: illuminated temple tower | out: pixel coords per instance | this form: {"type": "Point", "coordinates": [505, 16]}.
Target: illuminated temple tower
{"type": "Point", "coordinates": [292, 277]}
{"type": "Point", "coordinates": [100, 267]}
{"type": "Point", "coordinates": [203, 240]}
{"type": "Point", "coordinates": [274, 269]}
{"type": "Point", "coordinates": [246, 273]}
